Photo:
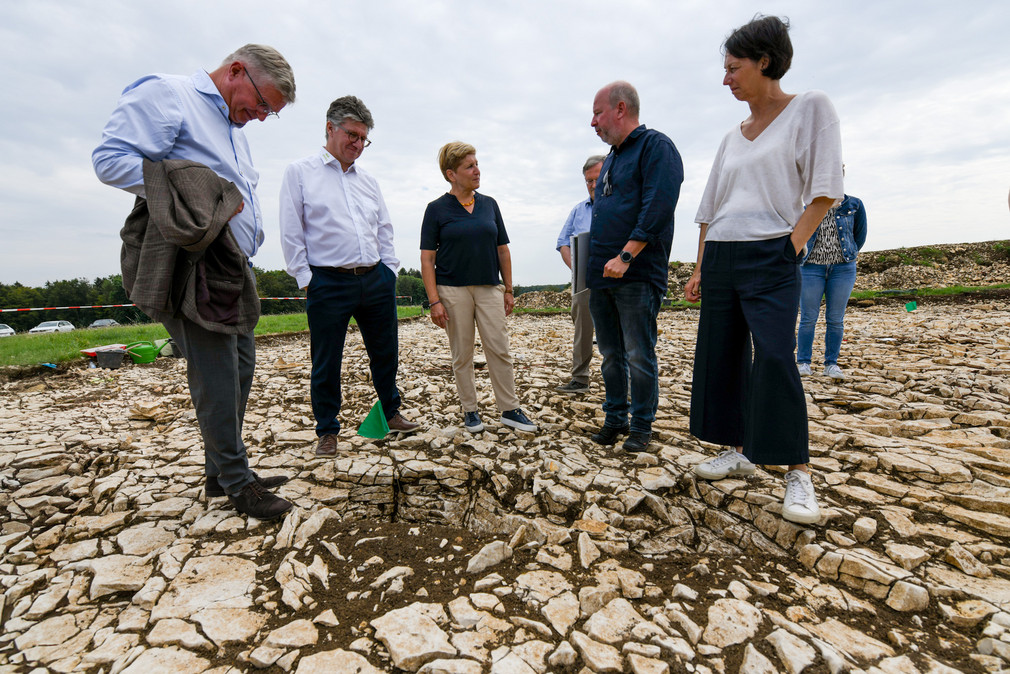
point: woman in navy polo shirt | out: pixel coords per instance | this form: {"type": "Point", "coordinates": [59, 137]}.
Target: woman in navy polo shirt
{"type": "Point", "coordinates": [464, 261]}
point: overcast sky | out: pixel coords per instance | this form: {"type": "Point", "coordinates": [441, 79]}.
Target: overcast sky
{"type": "Point", "coordinates": [922, 89]}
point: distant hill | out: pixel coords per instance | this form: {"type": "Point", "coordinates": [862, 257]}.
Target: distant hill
{"type": "Point", "coordinates": [939, 265]}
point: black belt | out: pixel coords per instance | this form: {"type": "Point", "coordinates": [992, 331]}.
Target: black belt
{"type": "Point", "coordinates": [357, 271]}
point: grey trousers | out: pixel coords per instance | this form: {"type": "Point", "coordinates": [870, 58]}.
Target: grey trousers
{"type": "Point", "coordinates": [582, 351]}
{"type": "Point", "coordinates": [219, 368]}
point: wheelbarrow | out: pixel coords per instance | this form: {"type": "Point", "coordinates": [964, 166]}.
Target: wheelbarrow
{"type": "Point", "coordinates": [143, 352]}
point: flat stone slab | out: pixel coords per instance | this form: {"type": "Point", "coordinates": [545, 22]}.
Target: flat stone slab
{"type": "Point", "coordinates": [207, 582]}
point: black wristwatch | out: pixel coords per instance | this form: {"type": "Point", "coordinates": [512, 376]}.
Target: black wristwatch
{"type": "Point", "coordinates": [626, 257]}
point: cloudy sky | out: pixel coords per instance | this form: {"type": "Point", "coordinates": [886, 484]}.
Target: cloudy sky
{"type": "Point", "coordinates": [921, 89]}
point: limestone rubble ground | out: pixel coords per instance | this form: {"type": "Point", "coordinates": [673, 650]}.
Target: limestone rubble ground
{"type": "Point", "coordinates": [506, 552]}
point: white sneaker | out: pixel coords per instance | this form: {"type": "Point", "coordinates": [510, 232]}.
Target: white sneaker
{"type": "Point", "coordinates": [800, 505]}
{"type": "Point", "coordinates": [804, 369]}
{"type": "Point", "coordinates": [730, 462]}
{"type": "Point", "coordinates": [833, 371]}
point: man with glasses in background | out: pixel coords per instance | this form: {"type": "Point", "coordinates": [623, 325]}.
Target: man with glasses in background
{"type": "Point", "coordinates": [177, 143]}
{"type": "Point", "coordinates": [338, 245]}
{"type": "Point", "coordinates": [629, 251]}
{"type": "Point", "coordinates": [578, 223]}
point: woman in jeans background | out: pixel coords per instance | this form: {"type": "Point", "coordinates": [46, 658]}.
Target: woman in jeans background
{"type": "Point", "coordinates": [829, 271]}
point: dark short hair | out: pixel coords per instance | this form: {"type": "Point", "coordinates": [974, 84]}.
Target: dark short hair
{"type": "Point", "coordinates": [350, 107]}
{"type": "Point", "coordinates": [763, 36]}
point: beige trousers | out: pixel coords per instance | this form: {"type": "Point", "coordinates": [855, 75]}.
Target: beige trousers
{"type": "Point", "coordinates": [485, 307]}
{"type": "Point", "coordinates": [582, 351]}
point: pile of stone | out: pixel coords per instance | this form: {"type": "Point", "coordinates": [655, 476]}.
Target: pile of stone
{"type": "Point", "coordinates": [939, 276]}
{"type": "Point", "coordinates": [545, 299]}
{"type": "Point", "coordinates": [937, 266]}
{"type": "Point", "coordinates": [516, 552]}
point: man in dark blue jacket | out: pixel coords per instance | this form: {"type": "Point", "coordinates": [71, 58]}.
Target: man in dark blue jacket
{"type": "Point", "coordinates": [629, 252]}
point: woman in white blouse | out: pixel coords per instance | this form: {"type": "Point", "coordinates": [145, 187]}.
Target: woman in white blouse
{"type": "Point", "coordinates": [774, 177]}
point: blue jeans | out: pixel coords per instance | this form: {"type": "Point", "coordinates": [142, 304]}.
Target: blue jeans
{"type": "Point", "coordinates": [834, 283]}
{"type": "Point", "coordinates": [625, 321]}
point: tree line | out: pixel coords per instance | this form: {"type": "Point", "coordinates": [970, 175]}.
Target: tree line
{"type": "Point", "coordinates": [409, 285]}
{"type": "Point", "coordinates": [109, 290]}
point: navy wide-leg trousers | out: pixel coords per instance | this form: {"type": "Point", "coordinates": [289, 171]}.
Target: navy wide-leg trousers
{"type": "Point", "coordinates": [750, 296]}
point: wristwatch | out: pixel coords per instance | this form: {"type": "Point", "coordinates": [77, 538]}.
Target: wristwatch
{"type": "Point", "coordinates": [626, 257]}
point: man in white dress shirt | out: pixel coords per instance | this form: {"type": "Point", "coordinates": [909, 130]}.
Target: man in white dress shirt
{"type": "Point", "coordinates": [338, 245]}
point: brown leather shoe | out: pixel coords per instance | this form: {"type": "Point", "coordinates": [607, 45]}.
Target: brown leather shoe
{"type": "Point", "coordinates": [257, 502]}
{"type": "Point", "coordinates": [327, 445]}
{"type": "Point", "coordinates": [214, 489]}
{"type": "Point", "coordinates": [401, 425]}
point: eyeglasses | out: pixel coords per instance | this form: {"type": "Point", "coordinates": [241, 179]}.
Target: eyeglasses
{"type": "Point", "coordinates": [263, 103]}
{"type": "Point", "coordinates": [354, 137]}
{"type": "Point", "coordinates": [608, 189]}
{"type": "Point", "coordinates": [591, 181]}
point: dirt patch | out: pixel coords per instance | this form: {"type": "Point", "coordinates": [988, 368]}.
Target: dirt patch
{"type": "Point", "coordinates": [438, 556]}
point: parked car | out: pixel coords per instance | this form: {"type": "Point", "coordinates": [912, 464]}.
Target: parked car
{"type": "Point", "coordinates": [53, 326]}
{"type": "Point", "coordinates": [6, 330]}
{"type": "Point", "coordinates": [103, 323]}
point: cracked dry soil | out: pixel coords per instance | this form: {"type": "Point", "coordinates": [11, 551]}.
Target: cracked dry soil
{"type": "Point", "coordinates": [911, 450]}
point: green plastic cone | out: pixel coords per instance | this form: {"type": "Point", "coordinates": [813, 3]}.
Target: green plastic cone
{"type": "Point", "coordinates": [374, 426]}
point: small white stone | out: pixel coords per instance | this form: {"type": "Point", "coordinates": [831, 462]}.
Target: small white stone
{"type": "Point", "coordinates": [563, 656]}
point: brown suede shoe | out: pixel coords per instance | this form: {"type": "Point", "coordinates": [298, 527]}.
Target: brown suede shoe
{"type": "Point", "coordinates": [400, 425]}
{"type": "Point", "coordinates": [327, 445]}
{"type": "Point", "coordinates": [257, 502]}
{"type": "Point", "coordinates": [214, 489]}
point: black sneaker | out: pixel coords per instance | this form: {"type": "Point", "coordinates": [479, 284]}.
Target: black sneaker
{"type": "Point", "coordinates": [257, 502]}
{"type": "Point", "coordinates": [638, 441]}
{"type": "Point", "coordinates": [572, 387]}
{"type": "Point", "coordinates": [213, 488]}
{"type": "Point", "coordinates": [608, 434]}
{"type": "Point", "coordinates": [517, 420]}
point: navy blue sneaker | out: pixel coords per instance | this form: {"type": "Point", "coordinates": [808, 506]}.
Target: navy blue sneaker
{"type": "Point", "coordinates": [472, 423]}
{"type": "Point", "coordinates": [517, 420]}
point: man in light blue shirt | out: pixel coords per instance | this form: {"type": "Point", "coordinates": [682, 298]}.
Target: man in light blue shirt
{"type": "Point", "coordinates": [200, 118]}
{"type": "Point", "coordinates": [579, 221]}
{"type": "Point", "coordinates": [338, 245]}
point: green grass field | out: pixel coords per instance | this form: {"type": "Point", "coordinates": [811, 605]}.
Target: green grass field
{"type": "Point", "coordinates": [24, 349]}
{"type": "Point", "coordinates": [930, 292]}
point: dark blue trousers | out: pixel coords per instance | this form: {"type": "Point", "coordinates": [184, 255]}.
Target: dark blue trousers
{"type": "Point", "coordinates": [219, 369]}
{"type": "Point", "coordinates": [332, 299]}
{"type": "Point", "coordinates": [750, 295]}
{"type": "Point", "coordinates": [625, 321]}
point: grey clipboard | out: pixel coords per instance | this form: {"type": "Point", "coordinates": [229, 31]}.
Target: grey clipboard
{"type": "Point", "coordinates": [580, 261]}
